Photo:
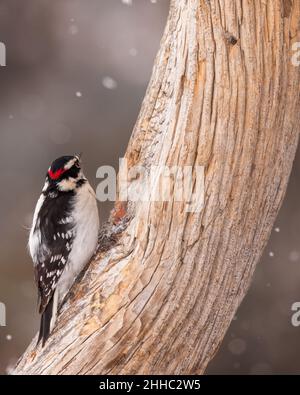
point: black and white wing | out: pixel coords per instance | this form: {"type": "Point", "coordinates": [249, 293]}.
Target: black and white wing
{"type": "Point", "coordinates": [54, 230]}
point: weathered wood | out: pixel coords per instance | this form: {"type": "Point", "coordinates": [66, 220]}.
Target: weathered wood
{"type": "Point", "coordinates": [160, 296]}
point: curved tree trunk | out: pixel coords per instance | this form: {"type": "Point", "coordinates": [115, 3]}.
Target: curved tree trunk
{"type": "Point", "coordinates": [165, 284]}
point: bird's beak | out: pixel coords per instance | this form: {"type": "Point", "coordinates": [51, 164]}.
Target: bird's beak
{"type": "Point", "coordinates": [78, 156]}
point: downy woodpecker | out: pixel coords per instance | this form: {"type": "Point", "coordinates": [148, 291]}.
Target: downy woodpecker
{"type": "Point", "coordinates": [63, 235]}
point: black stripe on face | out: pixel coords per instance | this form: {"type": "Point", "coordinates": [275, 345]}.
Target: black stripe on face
{"type": "Point", "coordinates": [73, 173]}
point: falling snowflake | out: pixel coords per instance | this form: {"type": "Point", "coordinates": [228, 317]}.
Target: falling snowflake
{"type": "Point", "coordinates": [237, 346]}
{"type": "Point", "coordinates": [73, 29]}
{"type": "Point", "coordinates": [78, 94]}
{"type": "Point", "coordinates": [109, 83]}
{"type": "Point", "coordinates": [133, 52]}
{"type": "Point", "coordinates": [127, 2]}
{"type": "Point", "coordinates": [10, 116]}
{"type": "Point", "coordinates": [277, 230]}
{"type": "Point", "coordinates": [9, 337]}
{"type": "Point", "coordinates": [271, 254]}
{"type": "Point", "coordinates": [153, 1]}
{"type": "Point", "coordinates": [294, 256]}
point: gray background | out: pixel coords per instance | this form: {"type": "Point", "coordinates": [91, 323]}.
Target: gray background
{"type": "Point", "coordinates": [55, 49]}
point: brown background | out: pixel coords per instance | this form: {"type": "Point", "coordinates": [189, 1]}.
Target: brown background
{"type": "Point", "coordinates": [55, 49]}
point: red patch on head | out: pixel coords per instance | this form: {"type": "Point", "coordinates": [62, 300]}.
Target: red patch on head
{"type": "Point", "coordinates": [54, 175]}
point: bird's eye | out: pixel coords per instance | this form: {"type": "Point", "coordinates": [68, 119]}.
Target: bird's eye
{"type": "Point", "coordinates": [77, 164]}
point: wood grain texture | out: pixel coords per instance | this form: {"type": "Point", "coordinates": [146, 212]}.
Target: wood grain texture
{"type": "Point", "coordinates": [160, 296]}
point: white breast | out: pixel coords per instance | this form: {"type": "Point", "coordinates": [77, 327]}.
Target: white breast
{"type": "Point", "coordinates": [86, 218]}
{"type": "Point", "coordinates": [35, 236]}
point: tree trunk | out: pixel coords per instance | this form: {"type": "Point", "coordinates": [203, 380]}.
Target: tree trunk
{"type": "Point", "coordinates": [161, 292]}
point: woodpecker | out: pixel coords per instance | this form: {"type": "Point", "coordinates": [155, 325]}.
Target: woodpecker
{"type": "Point", "coordinates": [63, 236]}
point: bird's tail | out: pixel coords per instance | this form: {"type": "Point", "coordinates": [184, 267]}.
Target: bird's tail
{"type": "Point", "coordinates": [48, 320]}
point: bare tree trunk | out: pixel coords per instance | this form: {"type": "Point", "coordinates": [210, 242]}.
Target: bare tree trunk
{"type": "Point", "coordinates": [165, 285]}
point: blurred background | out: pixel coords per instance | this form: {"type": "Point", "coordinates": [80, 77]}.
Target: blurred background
{"type": "Point", "coordinates": [76, 75]}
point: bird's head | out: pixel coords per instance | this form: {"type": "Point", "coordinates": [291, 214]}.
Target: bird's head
{"type": "Point", "coordinates": [65, 173]}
